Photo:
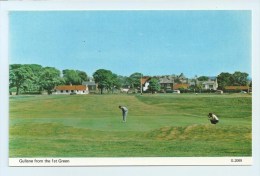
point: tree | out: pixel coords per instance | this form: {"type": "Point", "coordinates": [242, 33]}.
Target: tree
{"type": "Point", "coordinates": [83, 75]}
{"type": "Point", "coordinates": [74, 77]}
{"type": "Point", "coordinates": [199, 86]}
{"type": "Point", "coordinates": [134, 80]}
{"type": "Point", "coordinates": [18, 75]}
{"type": "Point", "coordinates": [113, 82]}
{"type": "Point", "coordinates": [224, 79]}
{"type": "Point", "coordinates": [250, 84]}
{"type": "Point", "coordinates": [154, 85]}
{"type": "Point", "coordinates": [235, 79]}
{"type": "Point", "coordinates": [104, 79]}
{"type": "Point", "coordinates": [177, 80]}
{"type": "Point", "coordinates": [239, 78]}
{"type": "Point", "coordinates": [33, 85]}
{"type": "Point", "coordinates": [116, 82]}
{"type": "Point", "coordinates": [203, 78]}
{"type": "Point", "coordinates": [49, 78]}
{"type": "Point", "coordinates": [122, 81]}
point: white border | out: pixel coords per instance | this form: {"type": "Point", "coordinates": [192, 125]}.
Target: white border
{"type": "Point", "coordinates": [132, 161]}
{"type": "Point", "coordinates": [253, 5]}
{"type": "Point", "coordinates": [131, 5]}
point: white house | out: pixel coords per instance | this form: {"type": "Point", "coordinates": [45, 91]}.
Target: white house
{"type": "Point", "coordinates": [145, 82]}
{"type": "Point", "coordinates": [71, 89]}
{"type": "Point", "coordinates": [211, 84]}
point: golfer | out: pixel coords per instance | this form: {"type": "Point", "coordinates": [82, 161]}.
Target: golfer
{"type": "Point", "coordinates": [124, 112]}
{"type": "Point", "coordinates": [213, 118]}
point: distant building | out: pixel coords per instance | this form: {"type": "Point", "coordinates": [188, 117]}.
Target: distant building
{"type": "Point", "coordinates": [145, 82]}
{"type": "Point", "coordinates": [71, 89]}
{"type": "Point", "coordinates": [92, 86]}
{"type": "Point", "coordinates": [166, 82]}
{"type": "Point", "coordinates": [210, 84]}
{"type": "Point", "coordinates": [182, 79]}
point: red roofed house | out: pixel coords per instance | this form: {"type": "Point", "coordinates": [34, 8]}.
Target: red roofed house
{"type": "Point", "coordinates": [71, 89]}
{"type": "Point", "coordinates": [145, 82]}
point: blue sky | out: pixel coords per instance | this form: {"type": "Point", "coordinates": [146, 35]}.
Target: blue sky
{"type": "Point", "coordinates": [150, 42]}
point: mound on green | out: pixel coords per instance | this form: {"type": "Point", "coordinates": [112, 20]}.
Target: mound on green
{"type": "Point", "coordinates": [162, 125]}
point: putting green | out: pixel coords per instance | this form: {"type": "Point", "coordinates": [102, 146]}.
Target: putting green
{"type": "Point", "coordinates": [157, 125]}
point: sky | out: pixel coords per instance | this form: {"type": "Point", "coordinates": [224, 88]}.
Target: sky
{"type": "Point", "coordinates": [203, 43]}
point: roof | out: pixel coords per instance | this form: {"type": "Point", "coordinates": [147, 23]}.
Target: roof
{"type": "Point", "coordinates": [89, 83]}
{"type": "Point", "coordinates": [166, 80]}
{"type": "Point", "coordinates": [71, 87]}
{"type": "Point", "coordinates": [145, 79]}
{"type": "Point", "coordinates": [208, 82]}
{"type": "Point", "coordinates": [236, 87]}
{"type": "Point", "coordinates": [178, 86]}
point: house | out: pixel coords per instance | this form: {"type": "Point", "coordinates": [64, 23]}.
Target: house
{"type": "Point", "coordinates": [71, 89]}
{"type": "Point", "coordinates": [210, 84]}
{"type": "Point", "coordinates": [182, 79]}
{"type": "Point", "coordinates": [145, 82]}
{"type": "Point", "coordinates": [166, 82]}
{"type": "Point", "coordinates": [92, 86]}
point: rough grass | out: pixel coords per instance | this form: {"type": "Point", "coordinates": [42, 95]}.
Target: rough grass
{"type": "Point", "coordinates": [157, 125]}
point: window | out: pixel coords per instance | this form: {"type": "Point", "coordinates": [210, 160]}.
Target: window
{"type": "Point", "coordinates": [67, 91]}
{"type": "Point", "coordinates": [61, 91]}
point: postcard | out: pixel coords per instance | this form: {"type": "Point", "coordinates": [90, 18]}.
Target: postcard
{"type": "Point", "coordinates": [131, 86]}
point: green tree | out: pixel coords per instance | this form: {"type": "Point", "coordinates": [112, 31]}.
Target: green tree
{"type": "Point", "coordinates": [224, 79]}
{"type": "Point", "coordinates": [104, 79]}
{"type": "Point", "coordinates": [154, 85]}
{"type": "Point", "coordinates": [135, 80]}
{"type": "Point", "coordinates": [199, 86]}
{"type": "Point", "coordinates": [71, 77]}
{"type": "Point", "coordinates": [113, 82]}
{"type": "Point", "coordinates": [235, 79]}
{"type": "Point", "coordinates": [250, 84]}
{"type": "Point", "coordinates": [18, 75]}
{"type": "Point", "coordinates": [117, 82]}
{"type": "Point", "coordinates": [83, 75]}
{"type": "Point", "coordinates": [122, 81]}
{"type": "Point", "coordinates": [49, 78]}
{"type": "Point", "coordinates": [239, 79]}
{"type": "Point", "coordinates": [33, 85]}
{"type": "Point", "coordinates": [203, 78]}
{"type": "Point", "coordinates": [74, 77]}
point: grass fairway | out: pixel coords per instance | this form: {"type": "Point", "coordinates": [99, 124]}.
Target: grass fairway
{"type": "Point", "coordinates": [162, 125]}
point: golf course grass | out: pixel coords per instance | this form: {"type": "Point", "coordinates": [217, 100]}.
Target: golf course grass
{"type": "Point", "coordinates": [159, 125]}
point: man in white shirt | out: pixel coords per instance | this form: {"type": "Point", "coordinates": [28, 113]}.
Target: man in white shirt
{"type": "Point", "coordinates": [213, 118]}
{"type": "Point", "coordinates": [124, 112]}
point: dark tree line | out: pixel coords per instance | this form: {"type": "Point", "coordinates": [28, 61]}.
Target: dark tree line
{"type": "Point", "coordinates": [235, 79]}
{"type": "Point", "coordinates": [109, 81]}
{"type": "Point", "coordinates": [34, 78]}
